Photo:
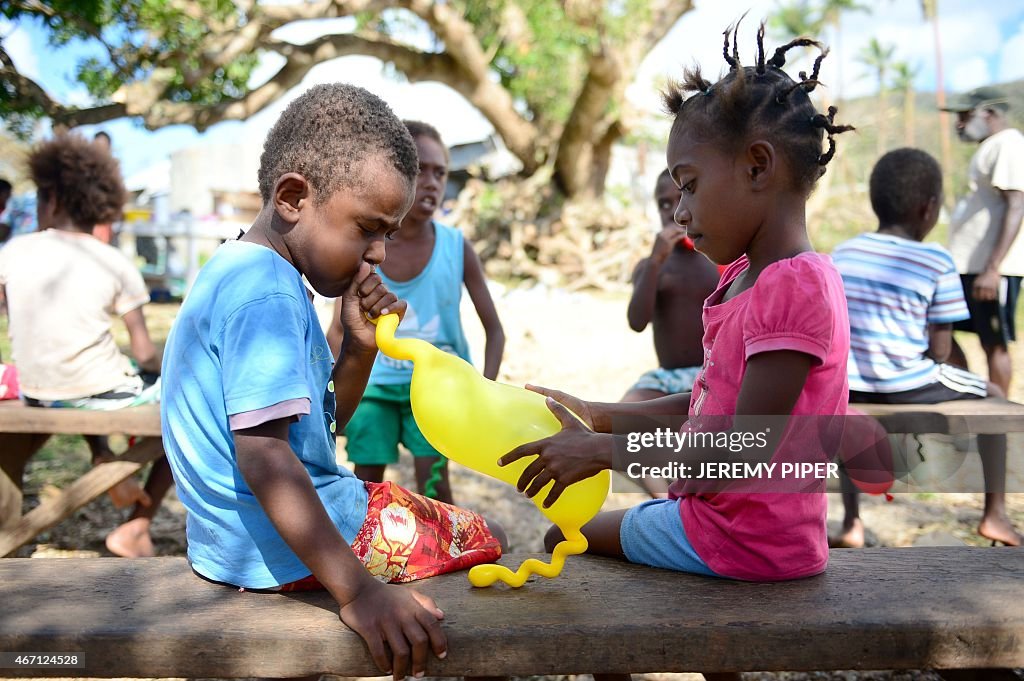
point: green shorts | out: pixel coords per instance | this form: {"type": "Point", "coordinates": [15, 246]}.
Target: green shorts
{"type": "Point", "coordinates": [382, 420]}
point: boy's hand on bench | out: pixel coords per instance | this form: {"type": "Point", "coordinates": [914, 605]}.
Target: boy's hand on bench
{"type": "Point", "coordinates": [400, 619]}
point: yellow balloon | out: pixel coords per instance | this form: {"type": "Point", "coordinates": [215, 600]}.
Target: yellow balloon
{"type": "Point", "coordinates": [474, 421]}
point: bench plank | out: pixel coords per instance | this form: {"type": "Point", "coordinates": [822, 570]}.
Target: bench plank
{"type": "Point", "coordinates": [143, 421]}
{"type": "Point", "coordinates": [988, 415]}
{"type": "Point", "coordinates": [946, 607]}
{"type": "Point", "coordinates": [79, 493]}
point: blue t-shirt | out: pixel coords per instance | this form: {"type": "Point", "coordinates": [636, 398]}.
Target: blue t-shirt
{"type": "Point", "coordinates": [433, 297]}
{"type": "Point", "coordinates": [895, 288]}
{"type": "Point", "coordinates": [246, 338]}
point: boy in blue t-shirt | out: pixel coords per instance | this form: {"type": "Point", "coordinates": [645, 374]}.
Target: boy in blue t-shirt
{"type": "Point", "coordinates": [903, 297]}
{"type": "Point", "coordinates": [249, 401]}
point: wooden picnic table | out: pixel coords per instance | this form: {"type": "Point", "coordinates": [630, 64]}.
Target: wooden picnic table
{"type": "Point", "coordinates": [19, 424]}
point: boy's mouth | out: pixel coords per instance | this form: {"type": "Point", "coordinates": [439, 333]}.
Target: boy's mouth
{"type": "Point", "coordinates": [428, 202]}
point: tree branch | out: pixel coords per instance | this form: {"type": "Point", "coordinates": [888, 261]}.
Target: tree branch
{"type": "Point", "coordinates": [279, 15]}
{"type": "Point", "coordinates": [474, 82]}
{"type": "Point", "coordinates": [577, 161]}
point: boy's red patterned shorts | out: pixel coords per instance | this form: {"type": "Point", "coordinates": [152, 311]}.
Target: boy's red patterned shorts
{"type": "Point", "coordinates": [407, 536]}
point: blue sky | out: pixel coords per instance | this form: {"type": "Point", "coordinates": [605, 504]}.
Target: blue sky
{"type": "Point", "coordinates": [982, 43]}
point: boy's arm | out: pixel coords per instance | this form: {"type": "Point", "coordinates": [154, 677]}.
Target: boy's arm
{"type": "Point", "coordinates": [645, 293]}
{"type": "Point", "coordinates": [143, 350]}
{"type": "Point", "coordinates": [940, 342]}
{"type": "Point", "coordinates": [476, 284]}
{"type": "Point", "coordinates": [986, 284]}
{"type": "Point", "coordinates": [366, 295]}
{"type": "Point", "coordinates": [401, 620]}
{"type": "Point", "coordinates": [645, 278]}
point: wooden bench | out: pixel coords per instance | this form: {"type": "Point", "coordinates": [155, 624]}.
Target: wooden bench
{"type": "Point", "coordinates": [914, 608]}
{"type": "Point", "coordinates": [988, 415]}
{"type": "Point", "coordinates": [19, 424]}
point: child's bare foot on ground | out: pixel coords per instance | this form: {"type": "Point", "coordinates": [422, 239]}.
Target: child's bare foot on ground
{"type": "Point", "coordinates": [851, 538]}
{"type": "Point", "coordinates": [131, 540]}
{"type": "Point", "coordinates": [126, 493]}
{"type": "Point", "coordinates": [999, 528]}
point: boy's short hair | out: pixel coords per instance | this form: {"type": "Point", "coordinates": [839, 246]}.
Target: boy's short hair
{"type": "Point", "coordinates": [326, 135]}
{"type": "Point", "coordinates": [903, 181]}
{"type": "Point", "coordinates": [85, 179]}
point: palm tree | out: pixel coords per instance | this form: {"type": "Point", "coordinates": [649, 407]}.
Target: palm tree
{"type": "Point", "coordinates": [878, 57]}
{"type": "Point", "coordinates": [832, 15]}
{"type": "Point", "coordinates": [930, 10]}
{"type": "Point", "coordinates": [796, 18]}
{"type": "Point", "coordinates": [903, 75]}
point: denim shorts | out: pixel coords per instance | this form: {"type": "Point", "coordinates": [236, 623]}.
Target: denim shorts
{"type": "Point", "coordinates": [652, 534]}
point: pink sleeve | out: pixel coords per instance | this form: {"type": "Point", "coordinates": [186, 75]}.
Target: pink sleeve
{"type": "Point", "coordinates": [790, 309]}
{"type": "Point", "coordinates": [295, 408]}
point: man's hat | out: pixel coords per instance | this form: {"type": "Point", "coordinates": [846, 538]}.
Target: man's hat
{"type": "Point", "coordinates": [982, 97]}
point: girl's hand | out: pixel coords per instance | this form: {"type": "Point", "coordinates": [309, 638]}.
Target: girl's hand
{"type": "Point", "coordinates": [570, 455]}
{"type": "Point", "coordinates": [587, 411]}
{"type": "Point", "coordinates": [366, 295]}
{"type": "Point", "coordinates": [400, 620]}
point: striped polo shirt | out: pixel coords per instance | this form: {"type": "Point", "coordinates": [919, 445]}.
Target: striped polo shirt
{"type": "Point", "coordinates": [895, 287]}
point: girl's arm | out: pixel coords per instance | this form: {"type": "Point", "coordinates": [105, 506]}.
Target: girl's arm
{"type": "Point", "coordinates": [771, 386]}
{"type": "Point", "coordinates": [940, 342]}
{"type": "Point", "coordinates": [599, 415]}
{"type": "Point", "coordinates": [476, 284]}
{"type": "Point", "coordinates": [142, 348]}
{"type": "Point", "coordinates": [386, 617]}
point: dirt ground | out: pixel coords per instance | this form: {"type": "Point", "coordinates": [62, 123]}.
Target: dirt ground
{"type": "Point", "coordinates": [576, 342]}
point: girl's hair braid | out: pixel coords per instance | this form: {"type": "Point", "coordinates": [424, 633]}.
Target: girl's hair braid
{"type": "Point", "coordinates": [760, 100]}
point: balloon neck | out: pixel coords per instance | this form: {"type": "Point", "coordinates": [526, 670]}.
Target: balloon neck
{"type": "Point", "coordinates": [396, 348]}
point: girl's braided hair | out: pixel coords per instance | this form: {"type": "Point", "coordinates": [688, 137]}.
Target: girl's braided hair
{"type": "Point", "coordinates": [759, 101]}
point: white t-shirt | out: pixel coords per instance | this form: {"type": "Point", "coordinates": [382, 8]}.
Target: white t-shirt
{"type": "Point", "coordinates": [997, 166]}
{"type": "Point", "coordinates": [62, 290]}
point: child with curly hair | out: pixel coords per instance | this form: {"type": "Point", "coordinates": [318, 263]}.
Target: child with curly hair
{"type": "Point", "coordinates": [64, 349]}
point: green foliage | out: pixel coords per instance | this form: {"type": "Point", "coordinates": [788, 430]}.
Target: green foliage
{"type": "Point", "coordinates": [136, 36]}
{"type": "Point", "coordinates": [538, 50]}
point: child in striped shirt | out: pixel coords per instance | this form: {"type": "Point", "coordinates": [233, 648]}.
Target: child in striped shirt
{"type": "Point", "coordinates": [903, 297]}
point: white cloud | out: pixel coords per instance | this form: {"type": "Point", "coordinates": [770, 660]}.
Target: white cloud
{"type": "Point", "coordinates": [970, 35]}
{"type": "Point", "coordinates": [969, 74]}
{"type": "Point", "coordinates": [1011, 61]}
{"type": "Point", "coordinates": [18, 45]}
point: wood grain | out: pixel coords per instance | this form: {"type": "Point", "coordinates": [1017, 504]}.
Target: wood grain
{"type": "Point", "coordinates": [15, 417]}
{"type": "Point", "coordinates": [937, 607]}
{"type": "Point", "coordinates": [90, 485]}
{"type": "Point", "coordinates": [988, 415]}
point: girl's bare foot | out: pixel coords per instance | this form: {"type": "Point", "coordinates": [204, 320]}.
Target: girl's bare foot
{"type": "Point", "coordinates": [999, 529]}
{"type": "Point", "coordinates": [131, 540]}
{"type": "Point", "coordinates": [851, 538]}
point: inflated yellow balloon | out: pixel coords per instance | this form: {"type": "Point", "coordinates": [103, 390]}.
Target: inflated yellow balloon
{"type": "Point", "coordinates": [475, 421]}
